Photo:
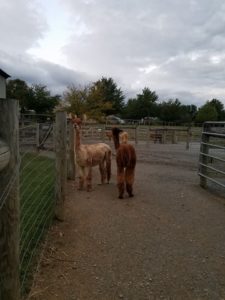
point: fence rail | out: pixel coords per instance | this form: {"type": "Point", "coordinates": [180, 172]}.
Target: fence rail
{"type": "Point", "coordinates": [212, 156]}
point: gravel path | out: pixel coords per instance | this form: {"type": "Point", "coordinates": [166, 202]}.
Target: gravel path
{"type": "Point", "coordinates": [168, 242]}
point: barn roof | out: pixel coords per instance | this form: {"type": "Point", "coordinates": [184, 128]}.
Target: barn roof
{"type": "Point", "coordinates": [4, 74]}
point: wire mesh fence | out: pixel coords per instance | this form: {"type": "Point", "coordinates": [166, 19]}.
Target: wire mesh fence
{"type": "Point", "coordinates": [37, 202]}
{"type": "Point", "coordinates": [33, 179]}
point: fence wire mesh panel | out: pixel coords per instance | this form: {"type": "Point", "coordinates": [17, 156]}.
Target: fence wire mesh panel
{"type": "Point", "coordinates": [37, 203]}
{"type": "Point", "coordinates": [212, 154]}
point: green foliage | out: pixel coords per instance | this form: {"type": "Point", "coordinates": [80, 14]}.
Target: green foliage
{"type": "Point", "coordinates": [40, 99]}
{"type": "Point", "coordinates": [219, 108]}
{"type": "Point", "coordinates": [37, 97]}
{"type": "Point", "coordinates": [108, 96]}
{"type": "Point", "coordinates": [99, 99]}
{"type": "Point", "coordinates": [207, 112]}
{"type": "Point", "coordinates": [103, 97]}
{"type": "Point", "coordinates": [76, 98]}
{"type": "Point", "coordinates": [18, 89]}
{"type": "Point", "coordinates": [142, 106]}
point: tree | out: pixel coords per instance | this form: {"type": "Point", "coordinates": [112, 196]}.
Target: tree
{"type": "Point", "coordinates": [37, 97]}
{"type": "Point", "coordinates": [207, 112]}
{"type": "Point", "coordinates": [171, 110]}
{"type": "Point", "coordinates": [105, 92]}
{"type": "Point", "coordinates": [143, 105]}
{"type": "Point", "coordinates": [187, 113]}
{"type": "Point", "coordinates": [18, 89]}
{"type": "Point", "coordinates": [146, 103]}
{"type": "Point", "coordinates": [40, 100]}
{"type": "Point", "coordinates": [76, 97]}
{"type": "Point", "coordinates": [130, 110]}
{"type": "Point", "coordinates": [219, 108]}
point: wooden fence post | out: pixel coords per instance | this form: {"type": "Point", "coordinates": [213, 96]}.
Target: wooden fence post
{"type": "Point", "coordinates": [148, 135]}
{"type": "Point", "coordinates": [174, 136]}
{"type": "Point", "coordinates": [188, 138]}
{"type": "Point", "coordinates": [61, 163]}
{"type": "Point", "coordinates": [71, 167]}
{"type": "Point", "coordinates": [9, 203]}
{"type": "Point", "coordinates": [37, 135]}
{"type": "Point", "coordinates": [136, 135]}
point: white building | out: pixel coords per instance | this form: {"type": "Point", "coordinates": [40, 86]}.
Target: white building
{"type": "Point", "coordinates": [3, 77]}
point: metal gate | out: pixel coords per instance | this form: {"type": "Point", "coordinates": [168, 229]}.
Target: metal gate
{"type": "Point", "coordinates": [212, 154]}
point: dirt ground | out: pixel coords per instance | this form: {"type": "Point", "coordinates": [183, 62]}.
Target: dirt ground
{"type": "Point", "coordinates": [168, 242]}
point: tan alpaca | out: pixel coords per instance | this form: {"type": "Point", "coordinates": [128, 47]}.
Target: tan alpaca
{"type": "Point", "coordinates": [88, 156]}
{"type": "Point", "coordinates": [123, 136]}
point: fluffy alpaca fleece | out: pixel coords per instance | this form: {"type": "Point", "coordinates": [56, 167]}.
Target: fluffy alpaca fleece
{"type": "Point", "coordinates": [126, 162]}
{"type": "Point", "coordinates": [88, 156]}
{"type": "Point", "coordinates": [123, 136]}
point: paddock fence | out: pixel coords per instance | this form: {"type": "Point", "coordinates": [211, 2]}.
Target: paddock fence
{"type": "Point", "coordinates": [212, 154]}
{"type": "Point", "coordinates": [144, 134]}
{"type": "Point", "coordinates": [40, 133]}
{"type": "Point", "coordinates": [32, 194]}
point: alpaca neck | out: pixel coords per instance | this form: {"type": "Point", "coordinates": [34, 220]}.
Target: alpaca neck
{"type": "Point", "coordinates": [77, 140]}
{"type": "Point", "coordinates": [116, 141]}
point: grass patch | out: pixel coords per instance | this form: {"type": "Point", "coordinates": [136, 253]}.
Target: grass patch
{"type": "Point", "coordinates": [37, 201]}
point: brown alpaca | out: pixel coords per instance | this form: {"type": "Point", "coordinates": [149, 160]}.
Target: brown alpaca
{"type": "Point", "coordinates": [123, 136]}
{"type": "Point", "coordinates": [88, 156]}
{"type": "Point", "coordinates": [126, 162]}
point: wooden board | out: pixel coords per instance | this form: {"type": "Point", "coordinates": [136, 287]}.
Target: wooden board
{"type": "Point", "coordinates": [4, 155]}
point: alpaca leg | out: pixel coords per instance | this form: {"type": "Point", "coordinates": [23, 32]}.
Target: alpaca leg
{"type": "Point", "coordinates": [108, 165]}
{"type": "Point", "coordinates": [81, 179]}
{"type": "Point", "coordinates": [102, 172]}
{"type": "Point", "coordinates": [89, 179]}
{"type": "Point", "coordinates": [120, 182]}
{"type": "Point", "coordinates": [129, 178]}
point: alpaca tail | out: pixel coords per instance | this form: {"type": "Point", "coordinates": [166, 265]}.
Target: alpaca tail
{"type": "Point", "coordinates": [108, 164]}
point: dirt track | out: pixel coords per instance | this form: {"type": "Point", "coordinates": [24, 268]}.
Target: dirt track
{"type": "Point", "coordinates": [168, 242]}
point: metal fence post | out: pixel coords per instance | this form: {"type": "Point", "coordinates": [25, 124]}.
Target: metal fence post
{"type": "Point", "coordinates": [9, 203]}
{"type": "Point", "coordinates": [204, 158]}
{"type": "Point", "coordinates": [61, 163]}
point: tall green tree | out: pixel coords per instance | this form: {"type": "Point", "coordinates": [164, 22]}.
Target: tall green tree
{"type": "Point", "coordinates": [130, 109]}
{"type": "Point", "coordinates": [105, 93]}
{"type": "Point", "coordinates": [171, 110]}
{"type": "Point", "coordinates": [219, 108]}
{"type": "Point", "coordinates": [76, 98]}
{"type": "Point", "coordinates": [206, 112]}
{"type": "Point", "coordinates": [18, 89]}
{"type": "Point", "coordinates": [144, 105]}
{"type": "Point", "coordinates": [40, 100]}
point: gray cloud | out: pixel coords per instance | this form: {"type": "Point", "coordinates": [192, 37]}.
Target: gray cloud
{"type": "Point", "coordinates": [174, 47]}
{"type": "Point", "coordinates": [21, 25]}
{"type": "Point", "coordinates": [57, 78]}
{"type": "Point", "coordinates": [176, 39]}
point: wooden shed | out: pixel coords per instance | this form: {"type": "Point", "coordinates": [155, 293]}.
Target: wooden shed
{"type": "Point", "coordinates": [3, 77]}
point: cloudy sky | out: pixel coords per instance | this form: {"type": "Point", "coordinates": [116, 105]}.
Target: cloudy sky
{"type": "Point", "coordinates": [174, 47]}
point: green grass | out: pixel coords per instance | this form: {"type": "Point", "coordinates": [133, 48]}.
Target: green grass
{"type": "Point", "coordinates": [37, 201]}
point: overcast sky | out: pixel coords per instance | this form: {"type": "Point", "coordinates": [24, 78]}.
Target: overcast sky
{"type": "Point", "coordinates": [174, 47]}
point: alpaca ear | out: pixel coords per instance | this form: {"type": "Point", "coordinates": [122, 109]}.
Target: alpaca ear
{"type": "Point", "coordinates": [78, 121]}
{"type": "Point", "coordinates": [70, 116]}
{"type": "Point", "coordinates": [73, 118]}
